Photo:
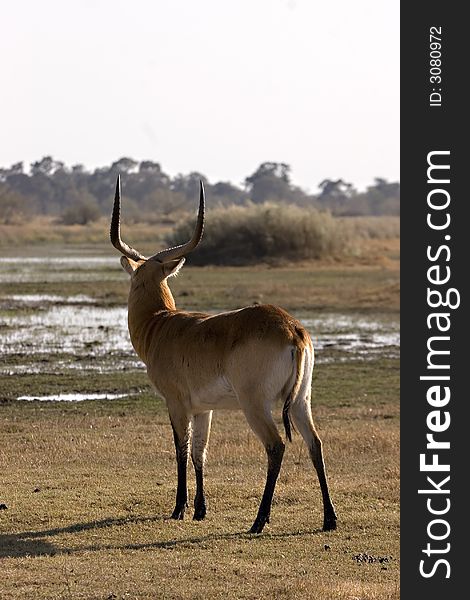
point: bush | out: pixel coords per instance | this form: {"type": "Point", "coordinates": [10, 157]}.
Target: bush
{"type": "Point", "coordinates": [268, 232]}
{"type": "Point", "coordinates": [83, 212]}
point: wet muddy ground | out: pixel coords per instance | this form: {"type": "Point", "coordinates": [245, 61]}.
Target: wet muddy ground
{"type": "Point", "coordinates": [43, 331]}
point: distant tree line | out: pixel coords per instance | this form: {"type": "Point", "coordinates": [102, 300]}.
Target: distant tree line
{"type": "Point", "coordinates": [75, 195]}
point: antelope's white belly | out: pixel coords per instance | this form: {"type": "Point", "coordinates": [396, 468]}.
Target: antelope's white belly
{"type": "Point", "coordinates": [216, 394]}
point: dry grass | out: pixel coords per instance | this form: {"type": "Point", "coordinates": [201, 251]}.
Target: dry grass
{"type": "Point", "coordinates": [48, 230]}
{"type": "Point", "coordinates": [356, 231]}
{"type": "Point", "coordinates": [373, 227]}
{"type": "Point", "coordinates": [89, 488]}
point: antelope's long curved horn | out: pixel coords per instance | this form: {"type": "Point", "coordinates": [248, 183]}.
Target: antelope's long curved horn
{"type": "Point", "coordinates": [184, 249]}
{"type": "Point", "coordinates": [115, 231]}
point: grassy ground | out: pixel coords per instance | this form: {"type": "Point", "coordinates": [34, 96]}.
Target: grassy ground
{"type": "Point", "coordinates": [89, 486]}
{"type": "Point", "coordinates": [40, 230]}
{"type": "Point", "coordinates": [369, 282]}
{"type": "Point", "coordinates": [223, 288]}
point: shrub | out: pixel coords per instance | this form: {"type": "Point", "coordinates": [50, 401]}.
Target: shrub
{"type": "Point", "coordinates": [83, 212]}
{"type": "Point", "coordinates": [268, 232]}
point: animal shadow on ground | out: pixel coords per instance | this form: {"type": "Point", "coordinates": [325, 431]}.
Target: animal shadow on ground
{"type": "Point", "coordinates": [36, 543]}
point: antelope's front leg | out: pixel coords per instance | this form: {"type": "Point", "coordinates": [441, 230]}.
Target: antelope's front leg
{"type": "Point", "coordinates": [181, 434]}
{"type": "Point", "coordinates": [201, 431]}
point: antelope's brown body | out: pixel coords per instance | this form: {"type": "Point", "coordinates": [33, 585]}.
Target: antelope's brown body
{"type": "Point", "coordinates": [245, 359]}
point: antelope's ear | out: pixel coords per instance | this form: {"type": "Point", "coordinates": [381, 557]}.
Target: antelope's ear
{"type": "Point", "coordinates": [128, 264]}
{"type": "Point", "coordinates": [172, 267]}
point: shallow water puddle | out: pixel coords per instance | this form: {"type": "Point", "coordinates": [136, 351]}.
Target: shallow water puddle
{"type": "Point", "coordinates": [355, 333]}
{"type": "Point", "coordinates": [58, 268]}
{"type": "Point", "coordinates": [72, 397]}
{"type": "Point", "coordinates": [48, 299]}
{"type": "Point", "coordinates": [64, 337]}
{"type": "Point", "coordinates": [80, 330]}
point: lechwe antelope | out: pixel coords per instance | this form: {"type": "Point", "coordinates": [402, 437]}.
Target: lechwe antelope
{"type": "Point", "coordinates": [243, 359]}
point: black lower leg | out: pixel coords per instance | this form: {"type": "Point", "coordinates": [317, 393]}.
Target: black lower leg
{"type": "Point", "coordinates": [199, 499]}
{"type": "Point", "coordinates": [329, 515]}
{"type": "Point", "coordinates": [182, 488]}
{"type": "Point", "coordinates": [275, 454]}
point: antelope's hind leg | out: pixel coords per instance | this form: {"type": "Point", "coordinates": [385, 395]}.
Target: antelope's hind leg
{"type": "Point", "coordinates": [275, 454]}
{"type": "Point", "coordinates": [200, 439]}
{"type": "Point", "coordinates": [265, 428]}
{"type": "Point", "coordinates": [181, 434]}
{"type": "Point", "coordinates": [302, 418]}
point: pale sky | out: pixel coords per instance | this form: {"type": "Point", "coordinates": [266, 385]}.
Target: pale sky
{"type": "Point", "coordinates": [215, 86]}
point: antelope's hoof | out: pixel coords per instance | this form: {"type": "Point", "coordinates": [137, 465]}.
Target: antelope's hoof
{"type": "Point", "coordinates": [178, 513]}
{"type": "Point", "coordinates": [329, 524]}
{"type": "Point", "coordinates": [259, 524]}
{"type": "Point", "coordinates": [199, 514]}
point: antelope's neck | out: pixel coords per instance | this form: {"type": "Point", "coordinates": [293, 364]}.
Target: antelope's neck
{"type": "Point", "coordinates": [144, 306]}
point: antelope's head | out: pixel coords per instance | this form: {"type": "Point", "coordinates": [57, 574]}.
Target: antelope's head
{"type": "Point", "coordinates": [161, 265]}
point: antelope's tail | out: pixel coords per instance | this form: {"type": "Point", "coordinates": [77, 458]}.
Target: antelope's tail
{"type": "Point", "coordinates": [299, 358]}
